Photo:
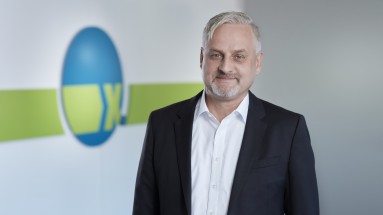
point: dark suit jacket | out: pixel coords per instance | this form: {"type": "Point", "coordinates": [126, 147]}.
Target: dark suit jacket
{"type": "Point", "coordinates": [275, 173]}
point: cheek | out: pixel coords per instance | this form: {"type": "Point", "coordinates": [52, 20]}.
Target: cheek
{"type": "Point", "coordinates": [209, 69]}
{"type": "Point", "coordinates": [210, 65]}
{"type": "Point", "coordinates": [247, 75]}
{"type": "Point", "coordinates": [206, 75]}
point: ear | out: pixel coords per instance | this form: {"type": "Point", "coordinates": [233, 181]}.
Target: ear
{"type": "Point", "coordinates": [258, 63]}
{"type": "Point", "coordinates": [201, 58]}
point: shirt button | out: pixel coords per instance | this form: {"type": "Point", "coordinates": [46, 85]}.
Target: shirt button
{"type": "Point", "coordinates": [216, 159]}
{"type": "Point", "coordinates": [214, 186]}
{"type": "Point", "coordinates": [211, 213]}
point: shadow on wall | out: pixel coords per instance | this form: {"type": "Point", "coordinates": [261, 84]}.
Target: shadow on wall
{"type": "Point", "coordinates": [322, 59]}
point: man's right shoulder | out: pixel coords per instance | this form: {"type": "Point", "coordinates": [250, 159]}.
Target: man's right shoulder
{"type": "Point", "coordinates": [174, 110]}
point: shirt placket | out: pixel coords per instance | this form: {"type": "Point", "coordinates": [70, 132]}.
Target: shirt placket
{"type": "Point", "coordinates": [216, 168]}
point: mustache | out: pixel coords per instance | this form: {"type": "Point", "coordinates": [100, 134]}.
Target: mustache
{"type": "Point", "coordinates": [228, 76]}
{"type": "Point", "coordinates": [222, 74]}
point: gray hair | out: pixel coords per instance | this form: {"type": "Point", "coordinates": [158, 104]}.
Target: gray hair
{"type": "Point", "coordinates": [231, 17]}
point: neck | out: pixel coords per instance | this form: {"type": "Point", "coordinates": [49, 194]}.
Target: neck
{"type": "Point", "coordinates": [220, 108]}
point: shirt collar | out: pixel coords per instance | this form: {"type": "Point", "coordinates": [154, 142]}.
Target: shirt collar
{"type": "Point", "coordinates": [242, 108]}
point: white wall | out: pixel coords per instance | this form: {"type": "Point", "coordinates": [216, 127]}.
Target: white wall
{"type": "Point", "coordinates": [157, 41]}
{"type": "Point", "coordinates": [323, 59]}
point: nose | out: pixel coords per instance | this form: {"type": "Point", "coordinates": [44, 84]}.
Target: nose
{"type": "Point", "coordinates": [226, 66]}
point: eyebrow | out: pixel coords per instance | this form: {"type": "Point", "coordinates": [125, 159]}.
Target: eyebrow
{"type": "Point", "coordinates": [240, 50]}
{"type": "Point", "coordinates": [235, 51]}
{"type": "Point", "coordinates": [214, 50]}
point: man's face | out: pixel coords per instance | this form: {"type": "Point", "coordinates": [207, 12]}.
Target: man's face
{"type": "Point", "coordinates": [229, 62]}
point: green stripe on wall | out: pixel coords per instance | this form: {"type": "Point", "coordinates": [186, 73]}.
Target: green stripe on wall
{"type": "Point", "coordinates": [34, 113]}
{"type": "Point", "coordinates": [145, 98]}
{"type": "Point", "coordinates": [28, 114]}
{"type": "Point", "coordinates": [83, 107]}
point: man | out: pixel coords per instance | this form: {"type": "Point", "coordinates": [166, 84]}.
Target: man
{"type": "Point", "coordinates": [225, 151]}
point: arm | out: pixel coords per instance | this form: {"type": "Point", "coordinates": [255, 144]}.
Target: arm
{"type": "Point", "coordinates": [301, 197]}
{"type": "Point", "coordinates": [146, 194]}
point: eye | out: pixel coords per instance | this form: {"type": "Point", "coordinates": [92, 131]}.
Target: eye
{"type": "Point", "coordinates": [216, 56]}
{"type": "Point", "coordinates": [239, 57]}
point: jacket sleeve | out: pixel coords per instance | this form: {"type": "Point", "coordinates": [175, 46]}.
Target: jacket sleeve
{"type": "Point", "coordinates": [146, 201]}
{"type": "Point", "coordinates": [301, 196]}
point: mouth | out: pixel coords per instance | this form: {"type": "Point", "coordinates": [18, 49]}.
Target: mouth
{"type": "Point", "coordinates": [226, 78]}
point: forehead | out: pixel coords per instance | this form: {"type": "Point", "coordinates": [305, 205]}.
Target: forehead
{"type": "Point", "coordinates": [233, 36]}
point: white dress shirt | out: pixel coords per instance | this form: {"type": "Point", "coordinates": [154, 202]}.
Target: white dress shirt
{"type": "Point", "coordinates": [215, 150]}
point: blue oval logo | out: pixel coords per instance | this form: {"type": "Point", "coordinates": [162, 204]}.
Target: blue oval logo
{"type": "Point", "coordinates": [92, 86]}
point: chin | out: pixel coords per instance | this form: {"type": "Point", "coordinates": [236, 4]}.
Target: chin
{"type": "Point", "coordinates": [224, 93]}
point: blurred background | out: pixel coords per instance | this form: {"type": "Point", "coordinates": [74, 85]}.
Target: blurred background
{"type": "Point", "coordinates": [321, 59]}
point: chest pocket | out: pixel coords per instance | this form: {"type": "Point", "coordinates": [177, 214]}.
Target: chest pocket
{"type": "Point", "coordinates": [266, 162]}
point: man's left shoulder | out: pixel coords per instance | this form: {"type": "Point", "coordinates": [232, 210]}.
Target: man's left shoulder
{"type": "Point", "coordinates": [277, 117]}
{"type": "Point", "coordinates": [276, 113]}
{"type": "Point", "coordinates": [274, 109]}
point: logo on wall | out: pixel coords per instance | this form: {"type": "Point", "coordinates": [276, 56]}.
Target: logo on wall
{"type": "Point", "coordinates": [92, 86]}
{"type": "Point", "coordinates": [91, 96]}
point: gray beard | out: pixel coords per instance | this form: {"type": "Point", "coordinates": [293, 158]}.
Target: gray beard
{"type": "Point", "coordinates": [224, 93]}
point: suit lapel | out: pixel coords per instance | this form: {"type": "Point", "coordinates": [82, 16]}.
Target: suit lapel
{"type": "Point", "coordinates": [183, 132]}
{"type": "Point", "coordinates": [251, 145]}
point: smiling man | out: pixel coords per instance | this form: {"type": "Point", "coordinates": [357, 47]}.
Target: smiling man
{"type": "Point", "coordinates": [225, 151]}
